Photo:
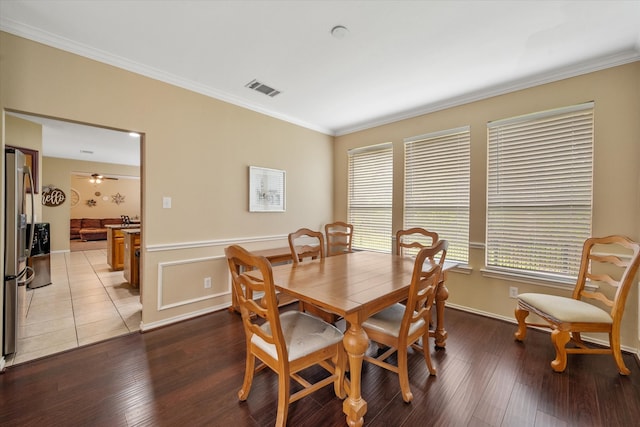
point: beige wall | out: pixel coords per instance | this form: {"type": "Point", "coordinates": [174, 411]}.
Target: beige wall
{"type": "Point", "coordinates": [616, 190]}
{"type": "Point", "coordinates": [195, 150]}
{"type": "Point", "coordinates": [124, 191]}
{"type": "Point", "coordinates": [58, 172]}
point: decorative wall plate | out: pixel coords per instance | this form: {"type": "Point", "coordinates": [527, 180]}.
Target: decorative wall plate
{"type": "Point", "coordinates": [117, 198]}
{"type": "Point", "coordinates": [74, 197]}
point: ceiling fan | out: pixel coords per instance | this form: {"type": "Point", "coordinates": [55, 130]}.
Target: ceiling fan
{"type": "Point", "coordinates": [96, 178]}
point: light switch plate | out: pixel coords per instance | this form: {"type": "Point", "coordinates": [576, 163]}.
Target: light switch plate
{"type": "Point", "coordinates": [166, 202]}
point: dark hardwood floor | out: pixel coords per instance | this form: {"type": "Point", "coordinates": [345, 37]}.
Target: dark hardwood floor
{"type": "Point", "coordinates": [188, 374]}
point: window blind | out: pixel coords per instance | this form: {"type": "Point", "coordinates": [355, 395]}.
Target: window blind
{"type": "Point", "coordinates": [436, 187]}
{"type": "Point", "coordinates": [539, 195]}
{"type": "Point", "coordinates": [370, 196]}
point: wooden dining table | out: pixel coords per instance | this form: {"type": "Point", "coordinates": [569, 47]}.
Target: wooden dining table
{"type": "Point", "coordinates": [355, 286]}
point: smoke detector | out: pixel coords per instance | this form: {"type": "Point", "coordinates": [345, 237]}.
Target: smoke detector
{"type": "Point", "coordinates": [339, 32]}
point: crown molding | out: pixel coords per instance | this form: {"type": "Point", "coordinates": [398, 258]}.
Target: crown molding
{"type": "Point", "coordinates": [596, 64]}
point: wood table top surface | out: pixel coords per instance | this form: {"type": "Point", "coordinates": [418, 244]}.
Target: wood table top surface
{"type": "Point", "coordinates": [345, 283]}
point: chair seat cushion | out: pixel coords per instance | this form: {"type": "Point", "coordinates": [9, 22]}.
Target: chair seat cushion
{"type": "Point", "coordinates": [566, 309]}
{"type": "Point", "coordinates": [388, 321]}
{"type": "Point", "coordinates": [303, 334]}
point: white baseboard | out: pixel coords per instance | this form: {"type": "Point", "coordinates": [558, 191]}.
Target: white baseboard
{"type": "Point", "coordinates": [165, 322]}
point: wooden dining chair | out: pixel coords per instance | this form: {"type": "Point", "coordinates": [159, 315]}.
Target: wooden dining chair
{"type": "Point", "coordinates": [305, 243]}
{"type": "Point", "coordinates": [339, 237]}
{"type": "Point", "coordinates": [402, 326]}
{"type": "Point", "coordinates": [287, 343]}
{"type": "Point", "coordinates": [597, 309]}
{"type": "Point", "coordinates": [411, 240]}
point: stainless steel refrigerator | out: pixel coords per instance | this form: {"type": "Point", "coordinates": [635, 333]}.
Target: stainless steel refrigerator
{"type": "Point", "coordinates": [17, 243]}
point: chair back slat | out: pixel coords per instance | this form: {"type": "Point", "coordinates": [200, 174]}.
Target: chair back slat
{"type": "Point", "coordinates": [604, 278]}
{"type": "Point", "coordinates": [611, 259]}
{"type": "Point", "coordinates": [598, 296]}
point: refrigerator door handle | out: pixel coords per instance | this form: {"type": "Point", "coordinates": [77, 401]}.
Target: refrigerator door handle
{"type": "Point", "coordinates": [33, 211]}
{"type": "Point", "coordinates": [24, 278]}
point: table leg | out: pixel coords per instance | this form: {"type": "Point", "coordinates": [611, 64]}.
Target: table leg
{"type": "Point", "coordinates": [355, 342]}
{"type": "Point", "coordinates": [442, 293]}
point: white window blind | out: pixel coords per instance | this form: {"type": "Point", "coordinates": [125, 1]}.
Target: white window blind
{"type": "Point", "coordinates": [370, 196]}
{"type": "Point", "coordinates": [539, 196]}
{"type": "Point", "coordinates": [436, 187]}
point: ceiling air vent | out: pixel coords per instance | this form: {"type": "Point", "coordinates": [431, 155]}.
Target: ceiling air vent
{"type": "Point", "coordinates": [263, 88]}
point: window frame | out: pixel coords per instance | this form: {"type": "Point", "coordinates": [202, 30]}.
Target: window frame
{"type": "Point", "coordinates": [370, 199]}
{"type": "Point", "coordinates": [569, 201]}
{"type": "Point", "coordinates": [437, 180]}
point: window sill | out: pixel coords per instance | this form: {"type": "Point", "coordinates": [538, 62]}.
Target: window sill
{"type": "Point", "coordinates": [532, 280]}
{"type": "Point", "coordinates": [461, 268]}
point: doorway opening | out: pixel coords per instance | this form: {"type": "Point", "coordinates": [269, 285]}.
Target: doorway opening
{"type": "Point", "coordinates": [88, 300]}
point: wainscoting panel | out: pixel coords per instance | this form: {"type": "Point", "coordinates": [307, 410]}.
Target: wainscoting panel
{"type": "Point", "coordinates": [183, 282]}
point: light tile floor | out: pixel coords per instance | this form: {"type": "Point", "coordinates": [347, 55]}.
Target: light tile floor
{"type": "Point", "coordinates": [86, 303]}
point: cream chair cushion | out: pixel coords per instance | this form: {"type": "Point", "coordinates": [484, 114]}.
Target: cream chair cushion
{"type": "Point", "coordinates": [303, 334]}
{"type": "Point", "coordinates": [566, 309]}
{"type": "Point", "coordinates": [389, 320]}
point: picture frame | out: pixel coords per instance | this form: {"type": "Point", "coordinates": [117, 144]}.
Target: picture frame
{"type": "Point", "coordinates": [31, 160]}
{"type": "Point", "coordinates": [266, 189]}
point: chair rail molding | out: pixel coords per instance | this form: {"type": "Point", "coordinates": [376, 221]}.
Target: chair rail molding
{"type": "Point", "coordinates": [213, 243]}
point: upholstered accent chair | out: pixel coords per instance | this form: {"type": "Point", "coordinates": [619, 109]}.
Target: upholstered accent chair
{"type": "Point", "coordinates": [607, 271]}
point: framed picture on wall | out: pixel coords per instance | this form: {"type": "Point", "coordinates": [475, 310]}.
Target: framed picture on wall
{"type": "Point", "coordinates": [266, 190]}
{"type": "Point", "coordinates": [31, 160]}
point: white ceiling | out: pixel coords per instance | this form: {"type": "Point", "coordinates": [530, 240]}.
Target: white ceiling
{"type": "Point", "coordinates": [80, 142]}
{"type": "Point", "coordinates": [399, 58]}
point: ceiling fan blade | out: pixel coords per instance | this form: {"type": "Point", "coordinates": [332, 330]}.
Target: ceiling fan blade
{"type": "Point", "coordinates": [96, 176]}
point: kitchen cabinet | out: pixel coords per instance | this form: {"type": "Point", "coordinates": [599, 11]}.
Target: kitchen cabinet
{"type": "Point", "coordinates": [131, 259]}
